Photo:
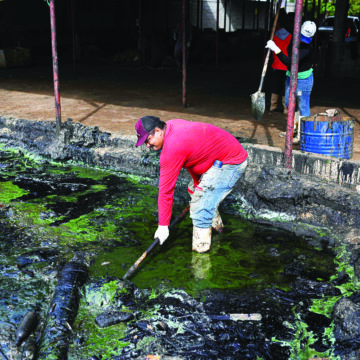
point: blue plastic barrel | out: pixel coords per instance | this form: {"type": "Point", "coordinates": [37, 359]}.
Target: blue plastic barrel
{"type": "Point", "coordinates": [320, 135]}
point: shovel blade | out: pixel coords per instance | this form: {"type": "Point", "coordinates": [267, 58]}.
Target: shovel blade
{"type": "Point", "coordinates": [258, 105]}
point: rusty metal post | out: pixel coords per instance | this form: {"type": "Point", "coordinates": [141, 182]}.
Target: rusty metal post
{"type": "Point", "coordinates": [317, 22]}
{"type": "Point", "coordinates": [230, 17]}
{"type": "Point", "coordinates": [225, 8]}
{"type": "Point", "coordinates": [73, 28]}
{"type": "Point", "coordinates": [267, 11]}
{"type": "Point", "coordinates": [184, 53]}
{"type": "Point", "coordinates": [313, 10]}
{"type": "Point", "coordinates": [140, 45]}
{"type": "Point", "coordinates": [318, 15]}
{"type": "Point", "coordinates": [243, 14]}
{"type": "Point", "coordinates": [293, 84]}
{"type": "Point", "coordinates": [217, 33]}
{"type": "Point", "coordinates": [198, 14]}
{"type": "Point", "coordinates": [55, 66]}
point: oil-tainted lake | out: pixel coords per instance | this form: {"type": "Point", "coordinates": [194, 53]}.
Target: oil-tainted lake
{"type": "Point", "coordinates": [50, 211]}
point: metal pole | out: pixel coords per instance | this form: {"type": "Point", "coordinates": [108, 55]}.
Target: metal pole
{"type": "Point", "coordinates": [293, 83]}
{"type": "Point", "coordinates": [198, 14]}
{"type": "Point", "coordinates": [317, 21]}
{"type": "Point", "coordinates": [140, 46]}
{"type": "Point", "coordinates": [225, 8]}
{"type": "Point", "coordinates": [73, 32]}
{"type": "Point", "coordinates": [55, 66]}
{"type": "Point", "coordinates": [267, 12]}
{"type": "Point", "coordinates": [318, 15]}
{"type": "Point", "coordinates": [230, 17]}
{"type": "Point", "coordinates": [184, 53]}
{"type": "Point", "coordinates": [217, 33]}
{"type": "Point", "coordinates": [313, 10]}
{"type": "Point", "coordinates": [243, 14]}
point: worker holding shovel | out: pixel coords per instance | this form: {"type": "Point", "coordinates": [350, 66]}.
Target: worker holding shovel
{"type": "Point", "coordinates": [214, 158]}
{"type": "Point", "coordinates": [305, 72]}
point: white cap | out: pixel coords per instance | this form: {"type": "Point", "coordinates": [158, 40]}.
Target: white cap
{"type": "Point", "coordinates": [308, 29]}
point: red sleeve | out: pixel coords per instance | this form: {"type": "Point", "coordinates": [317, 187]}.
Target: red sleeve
{"type": "Point", "coordinates": [170, 167]}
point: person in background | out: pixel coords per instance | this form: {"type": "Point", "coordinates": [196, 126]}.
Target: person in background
{"type": "Point", "coordinates": [215, 160]}
{"type": "Point", "coordinates": [305, 72]}
{"type": "Point", "coordinates": [282, 39]}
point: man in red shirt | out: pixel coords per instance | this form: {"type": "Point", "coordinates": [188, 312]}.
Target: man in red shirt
{"type": "Point", "coordinates": [214, 158]}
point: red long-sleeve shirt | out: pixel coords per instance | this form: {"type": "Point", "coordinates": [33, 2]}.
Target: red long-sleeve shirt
{"type": "Point", "coordinates": [194, 146]}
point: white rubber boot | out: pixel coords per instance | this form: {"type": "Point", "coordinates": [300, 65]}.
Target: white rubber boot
{"type": "Point", "coordinates": [201, 240]}
{"type": "Point", "coordinates": [217, 223]}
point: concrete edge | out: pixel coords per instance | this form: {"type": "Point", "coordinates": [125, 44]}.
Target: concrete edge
{"type": "Point", "coordinates": [342, 172]}
{"type": "Point", "coordinates": [116, 152]}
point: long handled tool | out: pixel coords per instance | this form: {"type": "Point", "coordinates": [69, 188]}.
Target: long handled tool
{"type": "Point", "coordinates": [258, 98]}
{"type": "Point", "coordinates": [156, 241]}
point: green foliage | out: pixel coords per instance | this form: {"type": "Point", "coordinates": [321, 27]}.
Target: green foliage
{"type": "Point", "coordinates": [324, 305]}
{"type": "Point", "coordinates": [300, 345]}
{"type": "Point", "coordinates": [329, 7]}
{"type": "Point", "coordinates": [354, 8]}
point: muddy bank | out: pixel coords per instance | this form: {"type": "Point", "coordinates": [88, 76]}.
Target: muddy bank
{"type": "Point", "coordinates": [319, 198]}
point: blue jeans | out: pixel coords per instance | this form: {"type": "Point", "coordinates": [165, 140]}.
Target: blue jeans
{"type": "Point", "coordinates": [303, 92]}
{"type": "Point", "coordinates": [214, 186]}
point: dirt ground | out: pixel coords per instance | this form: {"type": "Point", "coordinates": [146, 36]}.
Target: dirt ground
{"type": "Point", "coordinates": [113, 96]}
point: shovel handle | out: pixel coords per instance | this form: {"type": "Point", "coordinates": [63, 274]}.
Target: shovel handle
{"type": "Point", "coordinates": [140, 259]}
{"type": "Point", "coordinates": [155, 242]}
{"type": "Point", "coordinates": [268, 51]}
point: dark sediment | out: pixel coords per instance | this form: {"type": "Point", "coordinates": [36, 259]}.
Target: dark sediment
{"type": "Point", "coordinates": [63, 310]}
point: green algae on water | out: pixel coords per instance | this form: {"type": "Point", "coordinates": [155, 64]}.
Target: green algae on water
{"type": "Point", "coordinates": [118, 229]}
{"type": "Point", "coordinates": [9, 192]}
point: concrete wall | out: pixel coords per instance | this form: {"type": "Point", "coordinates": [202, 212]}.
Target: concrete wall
{"type": "Point", "coordinates": [342, 172]}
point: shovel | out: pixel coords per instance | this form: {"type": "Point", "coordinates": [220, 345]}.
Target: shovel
{"type": "Point", "coordinates": [258, 98]}
{"type": "Point", "coordinates": [155, 242]}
